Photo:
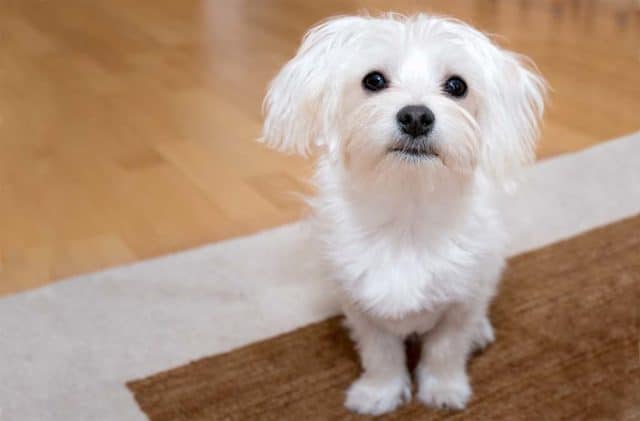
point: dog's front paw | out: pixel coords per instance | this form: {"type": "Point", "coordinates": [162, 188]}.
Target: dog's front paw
{"type": "Point", "coordinates": [444, 392]}
{"type": "Point", "coordinates": [375, 396]}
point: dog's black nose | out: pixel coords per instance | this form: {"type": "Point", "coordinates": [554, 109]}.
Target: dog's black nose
{"type": "Point", "coordinates": [415, 120]}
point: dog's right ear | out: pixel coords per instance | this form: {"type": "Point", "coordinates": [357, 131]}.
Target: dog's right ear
{"type": "Point", "coordinates": [303, 98]}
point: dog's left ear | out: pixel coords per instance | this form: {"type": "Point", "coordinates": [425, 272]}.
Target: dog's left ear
{"type": "Point", "coordinates": [511, 114]}
{"type": "Point", "coordinates": [302, 100]}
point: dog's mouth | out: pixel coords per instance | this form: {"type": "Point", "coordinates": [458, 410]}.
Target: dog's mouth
{"type": "Point", "coordinates": [415, 151]}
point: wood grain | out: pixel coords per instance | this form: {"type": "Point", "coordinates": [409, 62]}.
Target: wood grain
{"type": "Point", "coordinates": [127, 128]}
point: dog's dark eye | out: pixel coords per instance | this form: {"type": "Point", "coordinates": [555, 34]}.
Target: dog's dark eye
{"type": "Point", "coordinates": [374, 81]}
{"type": "Point", "coordinates": [455, 86]}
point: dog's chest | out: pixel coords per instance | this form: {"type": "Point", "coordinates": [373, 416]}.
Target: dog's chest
{"type": "Point", "coordinates": [394, 282]}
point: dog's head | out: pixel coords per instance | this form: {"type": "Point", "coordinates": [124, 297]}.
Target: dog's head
{"type": "Point", "coordinates": [413, 93]}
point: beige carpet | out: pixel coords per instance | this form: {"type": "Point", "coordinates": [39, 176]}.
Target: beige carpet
{"type": "Point", "coordinates": [567, 348]}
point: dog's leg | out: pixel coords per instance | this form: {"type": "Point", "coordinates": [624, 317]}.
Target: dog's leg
{"type": "Point", "coordinates": [441, 373]}
{"type": "Point", "coordinates": [483, 335]}
{"type": "Point", "coordinates": [385, 382]}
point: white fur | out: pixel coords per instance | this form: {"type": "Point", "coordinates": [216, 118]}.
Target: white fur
{"type": "Point", "coordinates": [415, 243]}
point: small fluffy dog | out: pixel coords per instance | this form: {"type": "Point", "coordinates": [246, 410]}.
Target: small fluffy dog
{"type": "Point", "coordinates": [419, 121]}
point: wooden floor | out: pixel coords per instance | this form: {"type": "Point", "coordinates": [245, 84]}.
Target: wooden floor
{"type": "Point", "coordinates": [127, 128]}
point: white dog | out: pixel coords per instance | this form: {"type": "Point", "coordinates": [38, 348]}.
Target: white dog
{"type": "Point", "coordinates": [420, 121]}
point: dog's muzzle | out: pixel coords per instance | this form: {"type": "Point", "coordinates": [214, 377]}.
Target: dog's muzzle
{"type": "Point", "coordinates": [417, 147]}
{"type": "Point", "coordinates": [415, 123]}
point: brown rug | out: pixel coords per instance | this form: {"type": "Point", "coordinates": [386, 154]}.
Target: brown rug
{"type": "Point", "coordinates": [567, 326]}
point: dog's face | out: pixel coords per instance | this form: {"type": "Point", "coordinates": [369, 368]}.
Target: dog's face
{"type": "Point", "coordinates": [412, 94]}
